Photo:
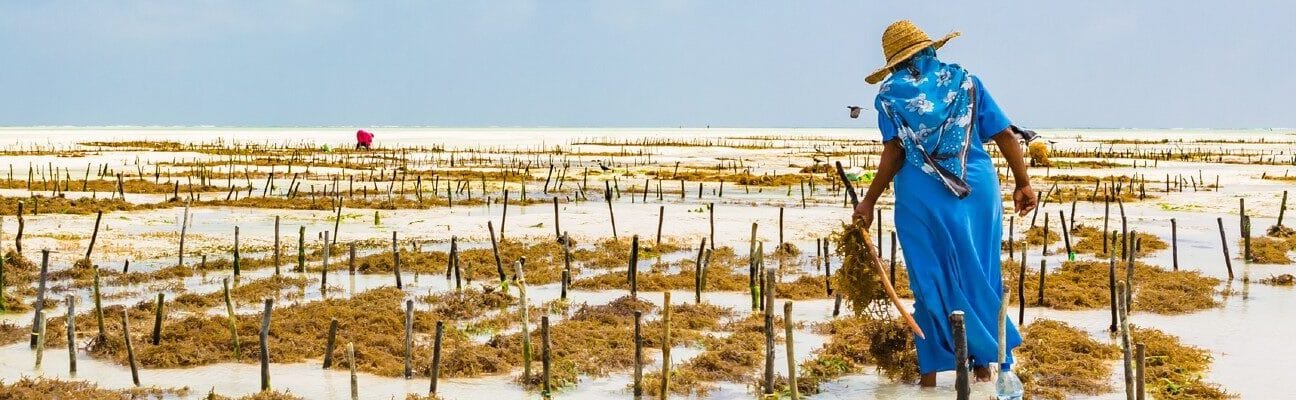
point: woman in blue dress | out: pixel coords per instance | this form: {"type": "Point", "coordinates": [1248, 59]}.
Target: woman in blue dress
{"type": "Point", "coordinates": [935, 118]}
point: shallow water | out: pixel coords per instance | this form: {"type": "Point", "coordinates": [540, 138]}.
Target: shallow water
{"type": "Point", "coordinates": [1249, 337]}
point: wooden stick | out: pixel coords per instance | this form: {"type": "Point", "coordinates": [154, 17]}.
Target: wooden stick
{"type": "Point", "coordinates": [265, 345]}
{"type": "Point", "coordinates": [1174, 242]}
{"type": "Point", "coordinates": [1224, 246]}
{"type": "Point", "coordinates": [1140, 361]}
{"type": "Point", "coordinates": [276, 245]}
{"type": "Point", "coordinates": [236, 251]}
{"type": "Point", "coordinates": [633, 269]}
{"type": "Point", "coordinates": [71, 335]}
{"type": "Point", "coordinates": [98, 304]}
{"type": "Point", "coordinates": [301, 249]}
{"type": "Point", "coordinates": [435, 371]}
{"type": "Point", "coordinates": [526, 325]}
{"type": "Point", "coordinates": [95, 235]}
{"type": "Point", "coordinates": [409, 339]}
{"type": "Point", "coordinates": [769, 332]}
{"type": "Point", "coordinates": [546, 389]}
{"type": "Point", "coordinates": [396, 262]}
{"type": "Point", "coordinates": [666, 345]}
{"type": "Point", "coordinates": [638, 354]}
{"type": "Point", "coordinates": [661, 217]}
{"type": "Point", "coordinates": [1125, 341]}
{"type": "Point", "coordinates": [355, 387]}
{"type": "Point", "coordinates": [499, 265]}
{"type": "Point", "coordinates": [130, 350]}
{"type": "Point", "coordinates": [328, 344]}
{"type": "Point", "coordinates": [39, 307]}
{"type": "Point", "coordinates": [962, 383]}
{"type": "Point", "coordinates": [157, 318]}
{"type": "Point", "coordinates": [697, 274]}
{"type": "Point", "coordinates": [791, 353]}
{"type": "Point", "coordinates": [233, 320]}
{"type": "Point", "coordinates": [877, 264]}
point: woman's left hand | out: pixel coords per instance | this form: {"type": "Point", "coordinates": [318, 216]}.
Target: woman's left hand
{"type": "Point", "coordinates": [1024, 200]}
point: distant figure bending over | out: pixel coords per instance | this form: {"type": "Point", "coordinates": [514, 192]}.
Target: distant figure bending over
{"type": "Point", "coordinates": [934, 118]}
{"type": "Point", "coordinates": [364, 139]}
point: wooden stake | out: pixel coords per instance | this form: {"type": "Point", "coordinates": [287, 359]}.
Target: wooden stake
{"type": "Point", "coordinates": [1174, 242]}
{"type": "Point", "coordinates": [328, 344]}
{"type": "Point", "coordinates": [71, 335]}
{"type": "Point", "coordinates": [157, 318]}
{"type": "Point", "coordinates": [435, 371]}
{"type": "Point", "coordinates": [962, 383]}
{"type": "Point", "coordinates": [265, 345]}
{"type": "Point", "coordinates": [396, 261]}
{"type": "Point", "coordinates": [546, 389]}
{"type": "Point", "coordinates": [39, 307]}
{"type": "Point", "coordinates": [666, 345]}
{"type": "Point", "coordinates": [769, 332]}
{"type": "Point", "coordinates": [130, 350]}
{"type": "Point", "coordinates": [409, 339]}
{"type": "Point", "coordinates": [638, 354]}
{"type": "Point", "coordinates": [526, 325]}
{"type": "Point", "coordinates": [791, 353]}
{"type": "Point", "coordinates": [95, 235]}
{"type": "Point", "coordinates": [233, 320]}
{"type": "Point", "coordinates": [98, 304]}
{"type": "Point", "coordinates": [355, 387]}
{"type": "Point", "coordinates": [1228, 262]}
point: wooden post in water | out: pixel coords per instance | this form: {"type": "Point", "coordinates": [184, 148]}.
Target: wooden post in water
{"type": "Point", "coordinates": [98, 304]}
{"type": "Point", "coordinates": [769, 332]}
{"type": "Point", "coordinates": [265, 346]}
{"type": "Point", "coordinates": [557, 228]}
{"type": "Point", "coordinates": [328, 343]}
{"type": "Point", "coordinates": [355, 387]}
{"type": "Point", "coordinates": [1044, 246]}
{"type": "Point", "coordinates": [1111, 286]}
{"type": "Point", "coordinates": [633, 269]}
{"type": "Point", "coordinates": [1040, 300]}
{"type": "Point", "coordinates": [711, 217]}
{"type": "Point", "coordinates": [39, 305]}
{"type": "Point", "coordinates": [698, 279]}
{"type": "Point", "coordinates": [233, 321]}
{"type": "Point", "coordinates": [520, 279]}
{"type": "Point", "coordinates": [665, 345]}
{"type": "Point", "coordinates": [499, 265]}
{"type": "Point", "coordinates": [1282, 208]}
{"type": "Point", "coordinates": [545, 389]}
{"type": "Point", "coordinates": [638, 354]}
{"type": "Point", "coordinates": [236, 251]}
{"type": "Point", "coordinates": [1174, 242]}
{"type": "Point", "coordinates": [791, 350]}
{"type": "Point", "coordinates": [396, 262]}
{"type": "Point", "coordinates": [71, 335]}
{"type": "Point", "coordinates": [1021, 288]}
{"type": "Point", "coordinates": [130, 350]}
{"type": "Point", "coordinates": [95, 235]}
{"type": "Point", "coordinates": [409, 339]}
{"type": "Point", "coordinates": [962, 383]}
{"type": "Point", "coordinates": [1224, 246]}
{"type": "Point", "coordinates": [661, 218]}
{"type": "Point", "coordinates": [435, 371]}
{"type": "Point", "coordinates": [1125, 341]}
{"type": "Point", "coordinates": [1140, 362]}
{"type": "Point", "coordinates": [301, 249]}
{"type": "Point", "coordinates": [157, 318]}
{"type": "Point", "coordinates": [1066, 233]}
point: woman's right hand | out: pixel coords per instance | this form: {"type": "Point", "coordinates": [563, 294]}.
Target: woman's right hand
{"type": "Point", "coordinates": [864, 213]}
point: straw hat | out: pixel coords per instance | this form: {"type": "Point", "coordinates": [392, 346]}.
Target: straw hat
{"type": "Point", "coordinates": [900, 41]}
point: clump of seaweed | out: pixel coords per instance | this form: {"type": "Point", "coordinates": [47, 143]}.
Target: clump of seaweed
{"type": "Point", "coordinates": [11, 333]}
{"type": "Point", "coordinates": [469, 303]}
{"type": "Point", "coordinates": [1280, 280]}
{"type": "Point", "coordinates": [1039, 154]}
{"type": "Point", "coordinates": [1280, 231]}
{"type": "Point", "coordinates": [1089, 240]}
{"type": "Point", "coordinates": [857, 277]}
{"type": "Point", "coordinates": [1058, 361]}
{"type": "Point", "coordinates": [1083, 285]}
{"type": "Point", "coordinates": [1268, 250]}
{"type": "Point", "coordinates": [1034, 236]}
{"type": "Point", "coordinates": [265, 395]}
{"type": "Point", "coordinates": [42, 388]}
{"type": "Point", "coordinates": [1175, 370]}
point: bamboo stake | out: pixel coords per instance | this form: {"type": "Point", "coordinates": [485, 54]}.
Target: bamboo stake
{"type": "Point", "coordinates": [355, 387]}
{"type": "Point", "coordinates": [546, 389]}
{"type": "Point", "coordinates": [130, 350]}
{"type": "Point", "coordinates": [265, 345]}
{"type": "Point", "coordinates": [791, 353]}
{"type": "Point", "coordinates": [409, 339]}
{"type": "Point", "coordinates": [157, 318]}
{"type": "Point", "coordinates": [329, 343]}
{"type": "Point", "coordinates": [233, 321]}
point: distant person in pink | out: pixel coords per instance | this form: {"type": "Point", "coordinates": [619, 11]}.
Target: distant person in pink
{"type": "Point", "coordinates": [363, 139]}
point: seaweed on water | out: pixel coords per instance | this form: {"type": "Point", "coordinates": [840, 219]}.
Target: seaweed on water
{"type": "Point", "coordinates": [1270, 250]}
{"type": "Point", "coordinates": [1175, 370]}
{"type": "Point", "coordinates": [1083, 285]}
{"type": "Point", "coordinates": [42, 388]}
{"type": "Point", "coordinates": [1280, 280]}
{"type": "Point", "coordinates": [1058, 361]}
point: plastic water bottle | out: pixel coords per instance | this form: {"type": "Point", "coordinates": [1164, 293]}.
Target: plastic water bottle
{"type": "Point", "coordinates": [1008, 386]}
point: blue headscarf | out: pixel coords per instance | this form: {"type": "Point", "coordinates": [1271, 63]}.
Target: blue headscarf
{"type": "Point", "coordinates": [932, 106]}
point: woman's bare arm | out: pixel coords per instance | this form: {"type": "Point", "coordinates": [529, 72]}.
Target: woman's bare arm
{"type": "Point", "coordinates": [1023, 195]}
{"type": "Point", "coordinates": [891, 159]}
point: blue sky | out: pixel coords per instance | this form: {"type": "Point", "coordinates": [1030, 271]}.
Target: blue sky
{"type": "Point", "coordinates": [1102, 63]}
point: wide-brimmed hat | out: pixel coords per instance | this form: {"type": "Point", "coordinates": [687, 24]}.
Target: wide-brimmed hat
{"type": "Point", "coordinates": [900, 41]}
